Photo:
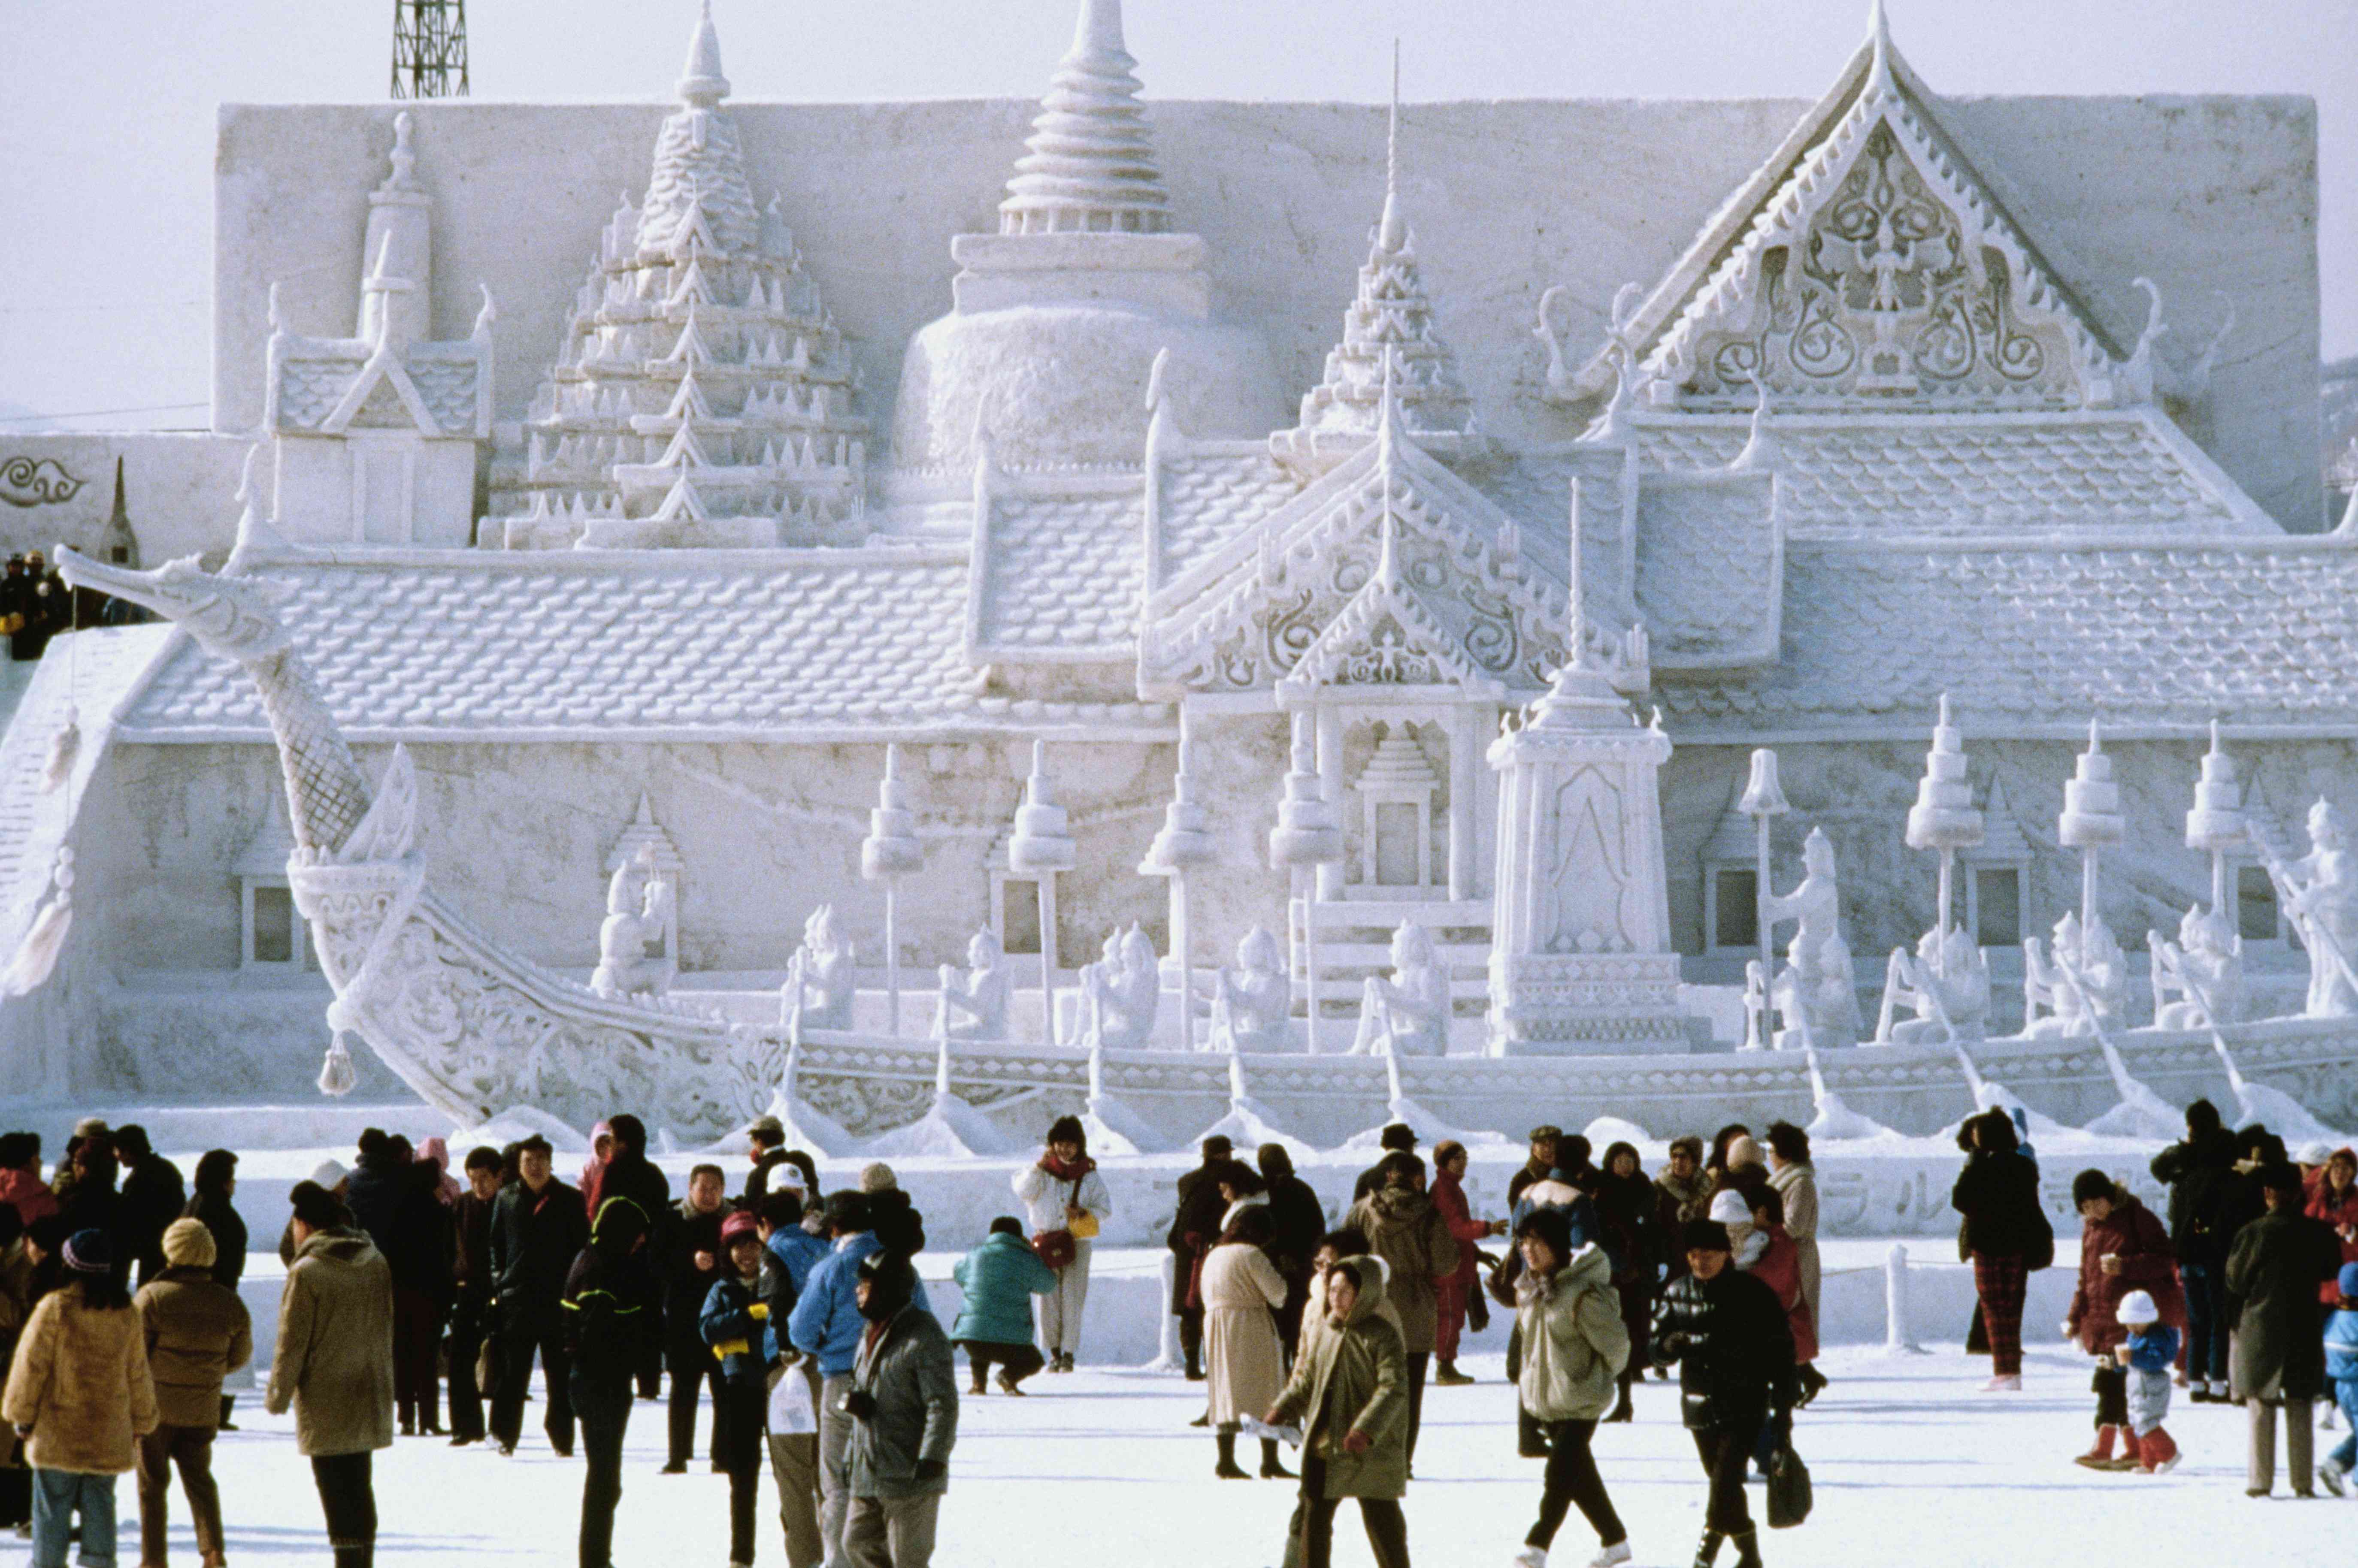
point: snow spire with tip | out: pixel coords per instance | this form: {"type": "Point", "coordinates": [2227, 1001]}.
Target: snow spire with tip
{"type": "Point", "coordinates": [700, 82]}
{"type": "Point", "coordinates": [1088, 166]}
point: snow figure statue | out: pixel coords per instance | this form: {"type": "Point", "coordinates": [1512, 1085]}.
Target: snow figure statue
{"type": "Point", "coordinates": [1119, 992]}
{"type": "Point", "coordinates": [1407, 1015]}
{"type": "Point", "coordinates": [820, 975]}
{"type": "Point", "coordinates": [1814, 992]}
{"type": "Point", "coordinates": [1948, 992]}
{"type": "Point", "coordinates": [2093, 958]}
{"type": "Point", "coordinates": [2203, 969]}
{"type": "Point", "coordinates": [1252, 1004]}
{"type": "Point", "coordinates": [638, 909]}
{"type": "Point", "coordinates": [2321, 893]}
{"type": "Point", "coordinates": [974, 1005]}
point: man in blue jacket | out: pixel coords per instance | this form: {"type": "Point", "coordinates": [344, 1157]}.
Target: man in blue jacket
{"type": "Point", "coordinates": [826, 1326]}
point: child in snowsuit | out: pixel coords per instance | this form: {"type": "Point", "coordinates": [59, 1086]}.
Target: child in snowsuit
{"type": "Point", "coordinates": [2148, 1354]}
{"type": "Point", "coordinates": [2341, 1368]}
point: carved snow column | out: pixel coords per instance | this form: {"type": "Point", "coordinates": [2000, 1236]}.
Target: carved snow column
{"type": "Point", "coordinates": [1944, 818]}
{"type": "Point", "coordinates": [1763, 800]}
{"type": "Point", "coordinates": [1308, 836]}
{"type": "Point", "coordinates": [2216, 823]}
{"type": "Point", "coordinates": [2092, 818]}
{"type": "Point", "coordinates": [1040, 848]}
{"type": "Point", "coordinates": [890, 852]}
{"type": "Point", "coordinates": [1186, 840]}
{"type": "Point", "coordinates": [1581, 961]}
{"type": "Point", "coordinates": [400, 246]}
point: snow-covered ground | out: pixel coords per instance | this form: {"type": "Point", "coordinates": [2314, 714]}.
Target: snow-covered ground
{"type": "Point", "coordinates": [1912, 1466]}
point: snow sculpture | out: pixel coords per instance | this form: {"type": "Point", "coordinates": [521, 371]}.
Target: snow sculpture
{"type": "Point", "coordinates": [2203, 968]}
{"type": "Point", "coordinates": [1831, 1119]}
{"type": "Point", "coordinates": [1945, 984]}
{"type": "Point", "coordinates": [2320, 891]}
{"type": "Point", "coordinates": [2086, 974]}
{"type": "Point", "coordinates": [1252, 1004]}
{"type": "Point", "coordinates": [1814, 992]}
{"type": "Point", "coordinates": [1943, 817]}
{"type": "Point", "coordinates": [973, 1005]}
{"type": "Point", "coordinates": [2092, 818]}
{"type": "Point", "coordinates": [1184, 841]}
{"type": "Point", "coordinates": [1120, 992]}
{"type": "Point", "coordinates": [951, 1128]}
{"type": "Point", "coordinates": [2217, 822]}
{"type": "Point", "coordinates": [821, 982]}
{"type": "Point", "coordinates": [638, 912]}
{"type": "Point", "coordinates": [1040, 848]}
{"type": "Point", "coordinates": [1408, 1013]}
{"type": "Point", "coordinates": [1763, 800]}
{"type": "Point", "coordinates": [1308, 835]}
{"type": "Point", "coordinates": [890, 852]}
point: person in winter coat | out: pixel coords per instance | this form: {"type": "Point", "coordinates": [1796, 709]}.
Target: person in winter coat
{"type": "Point", "coordinates": [1685, 1188]}
{"type": "Point", "coordinates": [1731, 1340]}
{"type": "Point", "coordinates": [212, 1187]}
{"type": "Point", "coordinates": [2273, 1273]}
{"type": "Point", "coordinates": [903, 1407]}
{"type": "Point", "coordinates": [152, 1198]}
{"type": "Point", "coordinates": [1244, 1362]}
{"type": "Point", "coordinates": [1556, 1191]}
{"type": "Point", "coordinates": [395, 1200]}
{"type": "Point", "coordinates": [997, 1281]}
{"type": "Point", "coordinates": [197, 1333]}
{"type": "Point", "coordinates": [1396, 1138]}
{"type": "Point", "coordinates": [612, 1310]}
{"type": "Point", "coordinates": [81, 1395]}
{"type": "Point", "coordinates": [2341, 1372]}
{"type": "Point", "coordinates": [334, 1366]}
{"type": "Point", "coordinates": [1628, 1214]}
{"type": "Point", "coordinates": [1538, 1162]}
{"type": "Point", "coordinates": [1064, 1197]}
{"type": "Point", "coordinates": [740, 1324]}
{"type": "Point", "coordinates": [1348, 1393]}
{"type": "Point", "coordinates": [539, 1228]}
{"type": "Point", "coordinates": [21, 1186]}
{"type": "Point", "coordinates": [1575, 1346]}
{"type": "Point", "coordinates": [1795, 1181]}
{"type": "Point", "coordinates": [765, 1151]}
{"type": "Point", "coordinates": [1297, 1219]}
{"type": "Point", "coordinates": [1194, 1224]}
{"type": "Point", "coordinates": [629, 1173]}
{"type": "Point", "coordinates": [797, 1246]}
{"type": "Point", "coordinates": [1406, 1231]}
{"type": "Point", "coordinates": [2006, 1235]}
{"type": "Point", "coordinates": [2198, 1173]}
{"type": "Point", "coordinates": [18, 1258]}
{"type": "Point", "coordinates": [2122, 1248]}
{"type": "Point", "coordinates": [471, 1295]}
{"type": "Point", "coordinates": [697, 1262]}
{"type": "Point", "coordinates": [89, 1201]}
{"type": "Point", "coordinates": [1452, 1297]}
{"type": "Point", "coordinates": [2146, 1356]}
{"type": "Point", "coordinates": [2334, 1198]}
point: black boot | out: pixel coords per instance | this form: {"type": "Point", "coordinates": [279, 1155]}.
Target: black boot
{"type": "Point", "coordinates": [1195, 1366]}
{"type": "Point", "coordinates": [1814, 1383]}
{"type": "Point", "coordinates": [1531, 1438]}
{"type": "Point", "coordinates": [1747, 1549]}
{"type": "Point", "coordinates": [1708, 1553]}
{"type": "Point", "coordinates": [1228, 1469]}
{"type": "Point", "coordinates": [229, 1402]}
{"type": "Point", "coordinates": [1625, 1410]}
{"type": "Point", "coordinates": [1271, 1470]}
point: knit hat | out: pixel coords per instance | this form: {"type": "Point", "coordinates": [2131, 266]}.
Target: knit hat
{"type": "Point", "coordinates": [187, 1244]}
{"type": "Point", "coordinates": [329, 1174]}
{"type": "Point", "coordinates": [768, 1129]}
{"type": "Point", "coordinates": [2137, 1310]}
{"type": "Point", "coordinates": [2348, 1284]}
{"type": "Point", "coordinates": [877, 1177]}
{"type": "Point", "coordinates": [1703, 1235]}
{"type": "Point", "coordinates": [1728, 1207]}
{"type": "Point", "coordinates": [2316, 1153]}
{"type": "Point", "coordinates": [92, 1127]}
{"type": "Point", "coordinates": [1744, 1150]}
{"type": "Point", "coordinates": [737, 1225]}
{"type": "Point", "coordinates": [87, 1252]}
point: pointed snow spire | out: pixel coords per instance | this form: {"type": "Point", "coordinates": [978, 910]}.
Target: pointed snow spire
{"type": "Point", "coordinates": [700, 82]}
{"type": "Point", "coordinates": [1088, 166]}
{"type": "Point", "coordinates": [1391, 233]}
{"type": "Point", "coordinates": [1577, 655]}
{"type": "Point", "coordinates": [699, 162]}
{"type": "Point", "coordinates": [1760, 451]}
{"type": "Point", "coordinates": [377, 308]}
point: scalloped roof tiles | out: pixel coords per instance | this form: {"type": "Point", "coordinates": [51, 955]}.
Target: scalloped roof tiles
{"type": "Point", "coordinates": [1210, 497]}
{"type": "Point", "coordinates": [1063, 573]}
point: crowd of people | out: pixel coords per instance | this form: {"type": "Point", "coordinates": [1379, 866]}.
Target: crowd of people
{"type": "Point", "coordinates": [799, 1319]}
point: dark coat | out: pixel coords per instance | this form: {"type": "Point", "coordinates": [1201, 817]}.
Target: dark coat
{"type": "Point", "coordinates": [2202, 1192]}
{"type": "Point", "coordinates": [1297, 1219]}
{"type": "Point", "coordinates": [2278, 1261]}
{"type": "Point", "coordinates": [1194, 1227]}
{"type": "Point", "coordinates": [153, 1196]}
{"type": "Point", "coordinates": [2133, 1234]}
{"type": "Point", "coordinates": [1998, 1195]}
{"type": "Point", "coordinates": [613, 1308]}
{"type": "Point", "coordinates": [398, 1206]}
{"type": "Point", "coordinates": [908, 1370]}
{"type": "Point", "coordinates": [1734, 1345]}
{"type": "Point", "coordinates": [685, 1285]}
{"type": "Point", "coordinates": [534, 1239]}
{"type": "Point", "coordinates": [220, 1216]}
{"type": "Point", "coordinates": [635, 1177]}
{"type": "Point", "coordinates": [757, 1180]}
{"type": "Point", "coordinates": [471, 1248]}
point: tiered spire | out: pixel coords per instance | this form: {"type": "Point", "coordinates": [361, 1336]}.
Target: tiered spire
{"type": "Point", "coordinates": [703, 396]}
{"type": "Point", "coordinates": [1090, 165]}
{"type": "Point", "coordinates": [1390, 312]}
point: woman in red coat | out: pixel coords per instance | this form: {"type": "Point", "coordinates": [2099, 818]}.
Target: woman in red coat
{"type": "Point", "coordinates": [1451, 1295]}
{"type": "Point", "coordinates": [2334, 1199]}
{"type": "Point", "coordinates": [2123, 1247]}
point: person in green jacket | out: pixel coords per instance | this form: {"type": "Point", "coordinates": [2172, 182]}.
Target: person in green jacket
{"type": "Point", "coordinates": [1575, 1344]}
{"type": "Point", "coordinates": [1349, 1394]}
{"type": "Point", "coordinates": [997, 1281]}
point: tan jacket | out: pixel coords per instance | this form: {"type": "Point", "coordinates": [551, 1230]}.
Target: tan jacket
{"type": "Point", "coordinates": [197, 1334]}
{"type": "Point", "coordinates": [1354, 1378]}
{"type": "Point", "coordinates": [334, 1359]}
{"type": "Point", "coordinates": [1407, 1232]}
{"type": "Point", "coordinates": [1574, 1341]}
{"type": "Point", "coordinates": [1245, 1362]}
{"type": "Point", "coordinates": [79, 1380]}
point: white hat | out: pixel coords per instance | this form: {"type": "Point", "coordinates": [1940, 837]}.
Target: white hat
{"type": "Point", "coordinates": [2137, 1310]}
{"type": "Point", "coordinates": [1728, 1207]}
{"type": "Point", "coordinates": [329, 1174]}
{"type": "Point", "coordinates": [2314, 1153]}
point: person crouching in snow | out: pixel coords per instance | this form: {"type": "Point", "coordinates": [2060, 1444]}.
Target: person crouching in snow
{"type": "Point", "coordinates": [996, 1282]}
{"type": "Point", "coordinates": [2148, 1354]}
{"type": "Point", "coordinates": [2342, 1371]}
{"type": "Point", "coordinates": [1349, 1393]}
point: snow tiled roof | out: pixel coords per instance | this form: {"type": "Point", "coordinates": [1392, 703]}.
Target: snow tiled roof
{"type": "Point", "coordinates": [1973, 475]}
{"type": "Point", "coordinates": [611, 646]}
{"type": "Point", "coordinates": [1210, 494]}
{"type": "Point", "coordinates": [2157, 634]}
{"type": "Point", "coordinates": [1061, 574]}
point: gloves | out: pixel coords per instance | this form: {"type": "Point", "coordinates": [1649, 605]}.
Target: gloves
{"type": "Point", "coordinates": [759, 1312]}
{"type": "Point", "coordinates": [859, 1404]}
{"type": "Point", "coordinates": [1357, 1441]}
{"type": "Point", "coordinates": [932, 1470]}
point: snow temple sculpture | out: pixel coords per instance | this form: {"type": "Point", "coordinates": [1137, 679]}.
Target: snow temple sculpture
{"type": "Point", "coordinates": [2320, 892]}
{"type": "Point", "coordinates": [823, 977]}
{"type": "Point", "coordinates": [1120, 992]}
{"type": "Point", "coordinates": [639, 915]}
{"type": "Point", "coordinates": [1945, 983]}
{"type": "Point", "coordinates": [2203, 970]}
{"type": "Point", "coordinates": [1252, 1004]}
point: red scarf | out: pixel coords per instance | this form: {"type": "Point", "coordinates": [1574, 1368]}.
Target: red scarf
{"type": "Point", "coordinates": [1064, 1172]}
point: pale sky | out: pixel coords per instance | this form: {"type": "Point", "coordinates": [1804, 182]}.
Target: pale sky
{"type": "Point", "coordinates": [106, 125]}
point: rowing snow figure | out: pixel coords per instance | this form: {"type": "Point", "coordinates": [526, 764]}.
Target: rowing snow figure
{"type": "Point", "coordinates": [1407, 1014]}
{"type": "Point", "coordinates": [974, 1004]}
{"type": "Point", "coordinates": [1252, 1004]}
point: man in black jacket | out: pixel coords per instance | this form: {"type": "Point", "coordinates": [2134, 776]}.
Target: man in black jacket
{"type": "Point", "coordinates": [1297, 1219]}
{"type": "Point", "coordinates": [1195, 1227]}
{"type": "Point", "coordinates": [765, 1146]}
{"type": "Point", "coordinates": [539, 1228]}
{"type": "Point", "coordinates": [612, 1313]}
{"type": "Point", "coordinates": [1729, 1334]}
{"type": "Point", "coordinates": [472, 1305]}
{"type": "Point", "coordinates": [2198, 1173]}
{"type": "Point", "coordinates": [153, 1196]}
{"type": "Point", "coordinates": [1397, 1138]}
{"type": "Point", "coordinates": [630, 1174]}
{"type": "Point", "coordinates": [695, 1263]}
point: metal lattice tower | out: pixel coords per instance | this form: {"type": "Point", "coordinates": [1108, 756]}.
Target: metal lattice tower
{"type": "Point", "coordinates": [429, 48]}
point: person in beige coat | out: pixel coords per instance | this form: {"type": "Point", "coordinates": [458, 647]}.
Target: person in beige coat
{"type": "Point", "coordinates": [198, 1333]}
{"type": "Point", "coordinates": [1575, 1343]}
{"type": "Point", "coordinates": [1244, 1360]}
{"type": "Point", "coordinates": [334, 1364]}
{"type": "Point", "coordinates": [1796, 1181]}
{"type": "Point", "coordinates": [1408, 1233]}
{"type": "Point", "coordinates": [80, 1393]}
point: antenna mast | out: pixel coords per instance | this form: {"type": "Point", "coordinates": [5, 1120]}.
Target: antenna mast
{"type": "Point", "coordinates": [429, 48]}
